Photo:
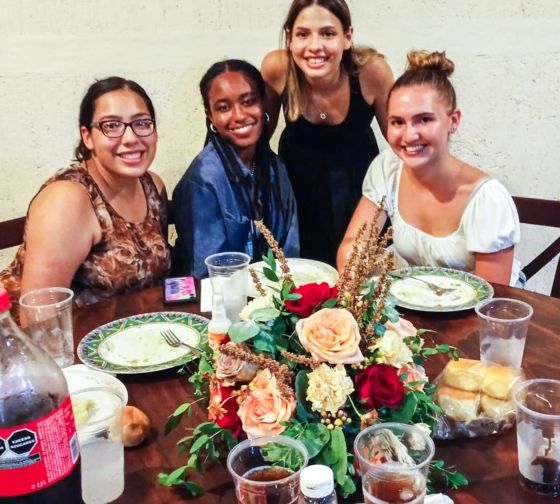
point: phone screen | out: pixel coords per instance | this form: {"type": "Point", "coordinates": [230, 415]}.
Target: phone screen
{"type": "Point", "coordinates": [179, 289]}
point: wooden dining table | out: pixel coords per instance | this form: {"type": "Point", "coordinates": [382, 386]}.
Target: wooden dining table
{"type": "Point", "coordinates": [490, 463]}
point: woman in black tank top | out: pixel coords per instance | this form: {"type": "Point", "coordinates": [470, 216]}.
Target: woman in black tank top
{"type": "Point", "coordinates": [329, 92]}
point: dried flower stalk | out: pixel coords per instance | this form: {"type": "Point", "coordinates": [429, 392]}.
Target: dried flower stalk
{"type": "Point", "coordinates": [257, 282]}
{"type": "Point", "coordinates": [278, 252]}
{"type": "Point", "coordinates": [301, 359]}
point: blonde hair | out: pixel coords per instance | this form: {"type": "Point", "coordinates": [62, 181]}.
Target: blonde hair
{"type": "Point", "coordinates": [431, 68]}
{"type": "Point", "coordinates": [353, 59]}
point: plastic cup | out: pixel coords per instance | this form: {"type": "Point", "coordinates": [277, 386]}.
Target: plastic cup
{"type": "Point", "coordinates": [538, 435]}
{"type": "Point", "coordinates": [228, 275]}
{"type": "Point", "coordinates": [502, 327]}
{"type": "Point", "coordinates": [48, 315]}
{"type": "Point", "coordinates": [393, 481]}
{"type": "Point", "coordinates": [98, 414]}
{"type": "Point", "coordinates": [259, 481]}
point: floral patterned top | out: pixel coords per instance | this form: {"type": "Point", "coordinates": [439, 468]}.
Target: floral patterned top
{"type": "Point", "coordinates": [129, 256]}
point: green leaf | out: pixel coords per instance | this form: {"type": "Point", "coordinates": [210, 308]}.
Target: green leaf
{"type": "Point", "coordinates": [199, 443]}
{"type": "Point", "coordinates": [181, 409]}
{"type": "Point", "coordinates": [301, 384]}
{"type": "Point", "coordinates": [270, 274]}
{"type": "Point", "coordinates": [173, 478]}
{"type": "Point", "coordinates": [338, 448]}
{"type": "Point", "coordinates": [293, 297]}
{"type": "Point", "coordinates": [269, 260]}
{"type": "Point", "coordinates": [264, 314]}
{"type": "Point", "coordinates": [194, 489]}
{"type": "Point", "coordinates": [329, 303]}
{"type": "Point", "coordinates": [243, 331]}
{"type": "Point", "coordinates": [315, 437]}
{"type": "Point", "coordinates": [407, 409]}
{"type": "Point", "coordinates": [264, 342]}
{"type": "Point", "coordinates": [282, 455]}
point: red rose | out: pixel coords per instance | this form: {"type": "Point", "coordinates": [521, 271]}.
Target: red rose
{"type": "Point", "coordinates": [223, 408]}
{"type": "Point", "coordinates": [312, 295]}
{"type": "Point", "coordinates": [379, 385]}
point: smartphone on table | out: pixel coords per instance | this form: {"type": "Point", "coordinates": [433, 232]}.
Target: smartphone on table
{"type": "Point", "coordinates": [179, 289]}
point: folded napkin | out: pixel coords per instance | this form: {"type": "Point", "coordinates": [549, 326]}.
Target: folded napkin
{"type": "Point", "coordinates": [438, 499]}
{"type": "Point", "coordinates": [205, 295]}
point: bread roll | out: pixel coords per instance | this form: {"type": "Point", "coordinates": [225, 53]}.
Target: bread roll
{"type": "Point", "coordinates": [495, 408]}
{"type": "Point", "coordinates": [465, 374]}
{"type": "Point", "coordinates": [136, 426]}
{"type": "Point", "coordinates": [458, 404]}
{"type": "Point", "coordinates": [499, 381]}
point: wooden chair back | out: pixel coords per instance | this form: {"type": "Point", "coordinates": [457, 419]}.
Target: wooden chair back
{"type": "Point", "coordinates": [11, 232]}
{"type": "Point", "coordinates": [541, 212]}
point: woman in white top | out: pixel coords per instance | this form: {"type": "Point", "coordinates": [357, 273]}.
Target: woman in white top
{"type": "Point", "coordinates": [444, 211]}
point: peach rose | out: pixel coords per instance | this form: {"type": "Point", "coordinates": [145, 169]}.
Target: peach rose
{"type": "Point", "coordinates": [263, 409]}
{"type": "Point", "coordinates": [403, 328]}
{"type": "Point", "coordinates": [230, 369]}
{"type": "Point", "coordinates": [331, 335]}
{"type": "Point", "coordinates": [414, 373]}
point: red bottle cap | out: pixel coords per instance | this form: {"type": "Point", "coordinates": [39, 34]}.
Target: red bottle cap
{"type": "Point", "coordinates": [5, 303]}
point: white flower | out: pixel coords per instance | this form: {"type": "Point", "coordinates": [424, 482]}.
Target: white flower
{"type": "Point", "coordinates": [256, 304]}
{"type": "Point", "coordinates": [415, 440]}
{"type": "Point", "coordinates": [328, 387]}
{"type": "Point", "coordinates": [392, 350]}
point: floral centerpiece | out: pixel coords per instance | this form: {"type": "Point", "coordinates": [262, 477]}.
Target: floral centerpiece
{"type": "Point", "coordinates": [316, 363]}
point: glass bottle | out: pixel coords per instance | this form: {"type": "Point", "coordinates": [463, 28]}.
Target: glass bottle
{"type": "Point", "coordinates": [219, 324]}
{"type": "Point", "coordinates": [316, 483]}
{"type": "Point", "coordinates": [39, 451]}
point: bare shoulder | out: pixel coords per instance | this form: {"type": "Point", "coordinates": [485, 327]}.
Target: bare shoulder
{"type": "Point", "coordinates": [376, 78]}
{"type": "Point", "coordinates": [160, 186]}
{"type": "Point", "coordinates": [274, 69]}
{"type": "Point", "coordinates": [61, 196]}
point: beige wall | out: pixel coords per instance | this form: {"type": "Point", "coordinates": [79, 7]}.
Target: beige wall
{"type": "Point", "coordinates": [507, 55]}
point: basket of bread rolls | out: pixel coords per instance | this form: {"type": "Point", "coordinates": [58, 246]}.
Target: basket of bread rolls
{"type": "Point", "coordinates": [476, 399]}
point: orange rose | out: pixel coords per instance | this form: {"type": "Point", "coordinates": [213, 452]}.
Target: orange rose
{"type": "Point", "coordinates": [264, 408]}
{"type": "Point", "coordinates": [331, 335]}
{"type": "Point", "coordinates": [403, 328]}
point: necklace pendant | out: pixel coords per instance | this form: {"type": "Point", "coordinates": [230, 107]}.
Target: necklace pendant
{"type": "Point", "coordinates": [323, 116]}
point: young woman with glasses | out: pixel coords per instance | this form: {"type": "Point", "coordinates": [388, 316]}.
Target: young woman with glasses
{"type": "Point", "coordinates": [99, 226]}
{"type": "Point", "coordinates": [330, 92]}
{"type": "Point", "coordinates": [236, 179]}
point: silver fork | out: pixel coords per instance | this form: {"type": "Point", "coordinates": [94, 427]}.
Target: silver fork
{"type": "Point", "coordinates": [173, 341]}
{"type": "Point", "coordinates": [436, 288]}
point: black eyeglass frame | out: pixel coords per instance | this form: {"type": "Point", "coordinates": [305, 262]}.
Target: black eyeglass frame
{"type": "Point", "coordinates": [99, 126]}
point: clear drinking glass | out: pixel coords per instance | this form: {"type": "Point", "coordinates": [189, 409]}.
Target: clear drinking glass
{"type": "Point", "coordinates": [262, 482]}
{"type": "Point", "coordinates": [538, 435]}
{"type": "Point", "coordinates": [228, 273]}
{"type": "Point", "coordinates": [393, 481]}
{"type": "Point", "coordinates": [98, 414]}
{"type": "Point", "coordinates": [502, 327]}
{"type": "Point", "coordinates": [47, 314]}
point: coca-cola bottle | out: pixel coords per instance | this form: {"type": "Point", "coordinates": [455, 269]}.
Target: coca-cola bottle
{"type": "Point", "coordinates": [39, 451]}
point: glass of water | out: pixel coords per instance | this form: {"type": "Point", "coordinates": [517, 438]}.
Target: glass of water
{"type": "Point", "coordinates": [98, 414]}
{"type": "Point", "coordinates": [228, 273]}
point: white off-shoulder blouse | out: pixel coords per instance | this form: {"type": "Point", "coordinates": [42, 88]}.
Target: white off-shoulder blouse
{"type": "Point", "coordinates": [489, 222]}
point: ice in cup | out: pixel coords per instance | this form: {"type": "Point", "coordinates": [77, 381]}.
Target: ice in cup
{"type": "Point", "coordinates": [98, 414]}
{"type": "Point", "coordinates": [502, 327]}
{"type": "Point", "coordinates": [47, 317]}
{"type": "Point", "coordinates": [228, 273]}
{"type": "Point", "coordinates": [394, 460]}
{"type": "Point", "coordinates": [538, 435]}
{"type": "Point", "coordinates": [260, 481]}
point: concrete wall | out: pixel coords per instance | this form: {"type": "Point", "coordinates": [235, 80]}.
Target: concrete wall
{"type": "Point", "coordinates": [507, 56]}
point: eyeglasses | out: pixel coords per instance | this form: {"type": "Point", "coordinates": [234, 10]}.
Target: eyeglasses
{"type": "Point", "coordinates": [115, 129]}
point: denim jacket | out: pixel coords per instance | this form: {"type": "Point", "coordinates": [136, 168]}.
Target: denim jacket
{"type": "Point", "coordinates": [212, 215]}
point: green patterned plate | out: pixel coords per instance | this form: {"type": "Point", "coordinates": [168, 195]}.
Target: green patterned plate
{"type": "Point", "coordinates": [135, 345]}
{"type": "Point", "coordinates": [466, 289]}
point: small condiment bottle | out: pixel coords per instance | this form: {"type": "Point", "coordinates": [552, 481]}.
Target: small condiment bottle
{"type": "Point", "coordinates": [316, 483]}
{"type": "Point", "coordinates": [219, 324]}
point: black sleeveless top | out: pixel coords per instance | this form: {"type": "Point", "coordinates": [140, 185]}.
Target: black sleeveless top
{"type": "Point", "coordinates": [326, 165]}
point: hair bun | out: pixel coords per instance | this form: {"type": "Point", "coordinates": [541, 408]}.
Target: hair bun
{"type": "Point", "coordinates": [435, 61]}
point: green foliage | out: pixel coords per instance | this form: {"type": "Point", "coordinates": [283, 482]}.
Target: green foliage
{"type": "Point", "coordinates": [245, 330]}
{"type": "Point", "coordinates": [440, 475]}
{"type": "Point", "coordinates": [282, 455]}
